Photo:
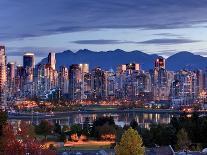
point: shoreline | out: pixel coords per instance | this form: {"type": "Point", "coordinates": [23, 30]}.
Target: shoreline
{"type": "Point", "coordinates": [54, 115]}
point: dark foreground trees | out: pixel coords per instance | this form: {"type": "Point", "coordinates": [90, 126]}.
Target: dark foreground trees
{"type": "Point", "coordinates": [175, 133]}
{"type": "Point", "coordinates": [21, 141]}
{"type": "Point", "coordinates": [45, 128]}
{"type": "Point", "coordinates": [183, 141]}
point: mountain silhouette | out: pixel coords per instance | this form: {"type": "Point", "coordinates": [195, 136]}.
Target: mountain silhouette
{"type": "Point", "coordinates": [111, 59]}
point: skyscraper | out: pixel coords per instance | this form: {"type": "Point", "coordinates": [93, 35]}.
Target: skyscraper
{"type": "Point", "coordinates": [160, 63]}
{"type": "Point", "coordinates": [63, 79]}
{"type": "Point", "coordinates": [98, 82]}
{"type": "Point", "coordinates": [19, 81]}
{"type": "Point", "coordinates": [28, 60]}
{"type": "Point", "coordinates": [3, 76]}
{"type": "Point", "coordinates": [76, 81]}
{"type": "Point", "coordinates": [160, 82]}
{"type": "Point", "coordinates": [11, 78]}
{"type": "Point", "coordinates": [52, 60]}
{"type": "Point", "coordinates": [29, 65]}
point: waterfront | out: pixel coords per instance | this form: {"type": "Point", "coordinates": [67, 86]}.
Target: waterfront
{"type": "Point", "coordinates": [144, 119]}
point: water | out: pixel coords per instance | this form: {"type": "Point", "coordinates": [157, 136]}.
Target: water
{"type": "Point", "coordinates": [121, 119]}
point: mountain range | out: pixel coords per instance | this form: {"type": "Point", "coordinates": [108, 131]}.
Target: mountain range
{"type": "Point", "coordinates": [111, 59]}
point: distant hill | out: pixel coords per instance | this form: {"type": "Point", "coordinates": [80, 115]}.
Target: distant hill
{"type": "Point", "coordinates": [111, 59]}
{"type": "Point", "coordinates": [186, 60]}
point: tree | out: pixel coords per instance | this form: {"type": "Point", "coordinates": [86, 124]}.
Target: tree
{"type": "Point", "coordinates": [134, 124]}
{"type": "Point", "coordinates": [22, 141]}
{"type": "Point", "coordinates": [119, 133]}
{"type": "Point", "coordinates": [163, 134]}
{"type": "Point", "coordinates": [183, 141]}
{"type": "Point", "coordinates": [3, 120]}
{"type": "Point", "coordinates": [65, 128]}
{"type": "Point", "coordinates": [86, 127]}
{"type": "Point", "coordinates": [98, 123]}
{"type": "Point", "coordinates": [76, 129]}
{"type": "Point", "coordinates": [106, 132]}
{"type": "Point", "coordinates": [57, 128]}
{"type": "Point", "coordinates": [130, 144]}
{"type": "Point", "coordinates": [44, 128]}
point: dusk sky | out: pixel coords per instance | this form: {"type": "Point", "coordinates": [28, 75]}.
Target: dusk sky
{"type": "Point", "coordinates": [152, 26]}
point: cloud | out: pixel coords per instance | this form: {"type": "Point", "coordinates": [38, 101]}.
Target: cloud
{"type": "Point", "coordinates": [167, 34]}
{"type": "Point", "coordinates": [23, 18]}
{"type": "Point", "coordinates": [166, 53]}
{"type": "Point", "coordinates": [167, 41]}
{"type": "Point", "coordinates": [162, 41]}
{"type": "Point", "coordinates": [102, 42]}
{"type": "Point", "coordinates": [38, 51]}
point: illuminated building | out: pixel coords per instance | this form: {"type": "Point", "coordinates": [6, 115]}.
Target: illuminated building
{"type": "Point", "coordinates": [41, 80]}
{"type": "Point", "coordinates": [19, 80]}
{"type": "Point", "coordinates": [160, 85]}
{"type": "Point", "coordinates": [98, 82]}
{"type": "Point", "coordinates": [132, 67]}
{"type": "Point", "coordinates": [110, 83]}
{"type": "Point", "coordinates": [3, 76]}
{"type": "Point", "coordinates": [160, 63]}
{"type": "Point", "coordinates": [63, 79]}
{"type": "Point", "coordinates": [52, 60]}
{"type": "Point", "coordinates": [28, 60]}
{"type": "Point", "coordinates": [77, 84]}
{"type": "Point", "coordinates": [11, 79]}
{"type": "Point", "coordinates": [183, 90]}
{"type": "Point", "coordinates": [29, 65]}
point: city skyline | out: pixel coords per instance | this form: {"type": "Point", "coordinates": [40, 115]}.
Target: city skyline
{"type": "Point", "coordinates": [162, 27]}
{"type": "Point", "coordinates": [80, 83]}
{"type": "Point", "coordinates": [114, 77]}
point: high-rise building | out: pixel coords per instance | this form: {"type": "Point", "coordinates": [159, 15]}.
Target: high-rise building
{"type": "Point", "coordinates": [160, 63]}
{"type": "Point", "coordinates": [160, 86]}
{"type": "Point", "coordinates": [98, 82]}
{"type": "Point", "coordinates": [29, 65]}
{"type": "Point", "coordinates": [3, 76]}
{"type": "Point", "coordinates": [52, 60]}
{"type": "Point", "coordinates": [41, 80]}
{"type": "Point", "coordinates": [63, 80]}
{"type": "Point", "coordinates": [132, 67]}
{"type": "Point", "coordinates": [28, 60]}
{"type": "Point", "coordinates": [110, 83]}
{"type": "Point", "coordinates": [183, 90]}
{"type": "Point", "coordinates": [200, 81]}
{"type": "Point", "coordinates": [19, 80]}
{"type": "Point", "coordinates": [11, 79]}
{"type": "Point", "coordinates": [77, 84]}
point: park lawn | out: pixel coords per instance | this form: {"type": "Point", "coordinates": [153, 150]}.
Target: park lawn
{"type": "Point", "coordinates": [103, 108]}
{"type": "Point", "coordinates": [89, 145]}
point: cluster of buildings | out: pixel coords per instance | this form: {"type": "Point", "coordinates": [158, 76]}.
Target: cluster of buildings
{"type": "Point", "coordinates": [80, 83]}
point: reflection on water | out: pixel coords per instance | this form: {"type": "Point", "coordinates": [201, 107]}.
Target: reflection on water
{"type": "Point", "coordinates": [121, 119]}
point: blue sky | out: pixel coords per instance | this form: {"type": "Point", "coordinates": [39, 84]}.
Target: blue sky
{"type": "Point", "coordinates": [152, 26]}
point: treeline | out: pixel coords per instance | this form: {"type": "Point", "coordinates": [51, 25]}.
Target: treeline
{"type": "Point", "coordinates": [181, 133]}
{"type": "Point", "coordinates": [20, 139]}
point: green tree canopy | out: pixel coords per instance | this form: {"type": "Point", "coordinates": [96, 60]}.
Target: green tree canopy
{"type": "Point", "coordinates": [57, 128]}
{"type": "Point", "coordinates": [130, 144]}
{"type": "Point", "coordinates": [44, 128]}
{"type": "Point", "coordinates": [76, 128]}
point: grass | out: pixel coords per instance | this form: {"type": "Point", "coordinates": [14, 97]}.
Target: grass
{"type": "Point", "coordinates": [89, 145]}
{"type": "Point", "coordinates": [103, 108]}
